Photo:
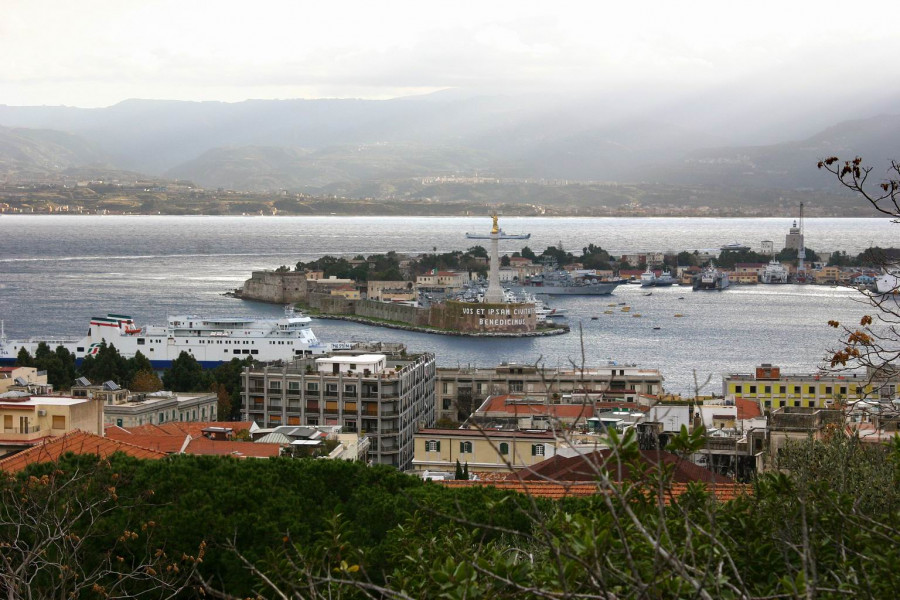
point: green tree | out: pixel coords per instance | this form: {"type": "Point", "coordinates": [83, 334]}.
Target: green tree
{"type": "Point", "coordinates": [106, 365]}
{"type": "Point", "coordinates": [686, 259]}
{"type": "Point", "coordinates": [185, 375]}
{"type": "Point", "coordinates": [24, 359]}
{"type": "Point", "coordinates": [528, 253]}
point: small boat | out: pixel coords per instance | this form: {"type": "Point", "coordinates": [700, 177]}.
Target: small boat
{"type": "Point", "coordinates": [679, 315]}
{"type": "Point", "coordinates": [607, 312]}
{"type": "Point", "coordinates": [649, 294]}
{"type": "Point", "coordinates": [626, 308]}
{"type": "Point", "coordinates": [681, 297]}
{"type": "Point", "coordinates": [594, 318]}
{"type": "Point", "coordinates": [613, 304]}
{"type": "Point", "coordinates": [657, 328]}
{"type": "Point", "coordinates": [636, 315]}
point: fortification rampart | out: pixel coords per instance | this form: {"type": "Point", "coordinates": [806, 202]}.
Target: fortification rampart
{"type": "Point", "coordinates": [273, 286]}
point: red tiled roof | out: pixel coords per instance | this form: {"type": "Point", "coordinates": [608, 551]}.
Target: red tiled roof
{"type": "Point", "coordinates": [584, 467]}
{"type": "Point", "coordinates": [508, 404]}
{"type": "Point", "coordinates": [747, 409]}
{"type": "Point", "coordinates": [209, 447]}
{"type": "Point", "coordinates": [183, 428]}
{"type": "Point", "coordinates": [170, 444]}
{"type": "Point", "coordinates": [187, 437]}
{"type": "Point", "coordinates": [77, 442]}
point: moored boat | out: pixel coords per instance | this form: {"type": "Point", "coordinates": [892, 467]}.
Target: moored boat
{"type": "Point", "coordinates": [711, 279]}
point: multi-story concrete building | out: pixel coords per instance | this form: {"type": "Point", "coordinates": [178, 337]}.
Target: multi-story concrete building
{"type": "Point", "coordinates": [385, 398]}
{"type": "Point", "coordinates": [461, 390]}
{"type": "Point", "coordinates": [774, 389]}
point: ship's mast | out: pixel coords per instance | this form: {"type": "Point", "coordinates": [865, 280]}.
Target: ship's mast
{"type": "Point", "coordinates": [801, 251]}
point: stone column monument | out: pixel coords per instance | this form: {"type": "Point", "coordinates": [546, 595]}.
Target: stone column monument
{"type": "Point", "coordinates": [494, 294]}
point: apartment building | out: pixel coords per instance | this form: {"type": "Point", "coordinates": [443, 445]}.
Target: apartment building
{"type": "Point", "coordinates": [385, 398]}
{"type": "Point", "coordinates": [774, 389]}
{"type": "Point", "coordinates": [461, 390]}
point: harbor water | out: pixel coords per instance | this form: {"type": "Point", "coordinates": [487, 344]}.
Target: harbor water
{"type": "Point", "coordinates": [58, 271]}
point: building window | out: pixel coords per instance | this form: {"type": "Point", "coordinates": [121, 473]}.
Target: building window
{"type": "Point", "coordinates": [768, 389]}
{"type": "Point", "coordinates": [465, 447]}
{"type": "Point", "coordinates": [782, 389]}
{"type": "Point", "coordinates": [796, 403]}
{"type": "Point", "coordinates": [432, 446]}
{"type": "Point", "coordinates": [516, 386]}
{"type": "Point", "coordinates": [447, 403]}
{"type": "Point", "coordinates": [294, 385]}
{"type": "Point", "coordinates": [752, 389]}
{"type": "Point", "coordinates": [738, 389]}
{"type": "Point", "coordinates": [350, 389]}
{"type": "Point", "coordinates": [274, 385]}
{"type": "Point", "coordinates": [768, 404]}
{"type": "Point", "coordinates": [796, 389]}
{"type": "Point", "coordinates": [59, 422]}
{"type": "Point", "coordinates": [537, 450]}
{"type": "Point", "coordinates": [811, 389]}
{"type": "Point", "coordinates": [504, 448]}
{"type": "Point", "coordinates": [312, 386]}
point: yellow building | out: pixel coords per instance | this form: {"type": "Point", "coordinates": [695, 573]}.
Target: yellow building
{"type": "Point", "coordinates": [774, 389]}
{"type": "Point", "coordinates": [439, 449]}
{"type": "Point", "coordinates": [26, 420]}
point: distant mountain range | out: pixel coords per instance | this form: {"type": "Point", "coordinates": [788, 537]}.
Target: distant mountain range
{"type": "Point", "coordinates": [317, 145]}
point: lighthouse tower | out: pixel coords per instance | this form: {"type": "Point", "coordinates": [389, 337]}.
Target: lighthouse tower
{"type": "Point", "coordinates": [494, 294]}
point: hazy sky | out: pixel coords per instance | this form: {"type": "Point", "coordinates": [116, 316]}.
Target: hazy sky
{"type": "Point", "coordinates": [98, 52]}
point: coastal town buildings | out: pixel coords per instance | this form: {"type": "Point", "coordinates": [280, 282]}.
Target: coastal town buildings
{"type": "Point", "coordinates": [385, 398]}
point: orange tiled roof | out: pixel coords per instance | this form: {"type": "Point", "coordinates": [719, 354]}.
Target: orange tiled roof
{"type": "Point", "coordinates": [207, 447]}
{"type": "Point", "coordinates": [77, 442]}
{"type": "Point", "coordinates": [183, 428]}
{"type": "Point", "coordinates": [170, 444]}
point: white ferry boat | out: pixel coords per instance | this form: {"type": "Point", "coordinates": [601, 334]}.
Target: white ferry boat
{"type": "Point", "coordinates": [211, 340]}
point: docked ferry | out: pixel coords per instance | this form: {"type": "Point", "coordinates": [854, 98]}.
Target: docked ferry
{"type": "Point", "coordinates": [211, 340]}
